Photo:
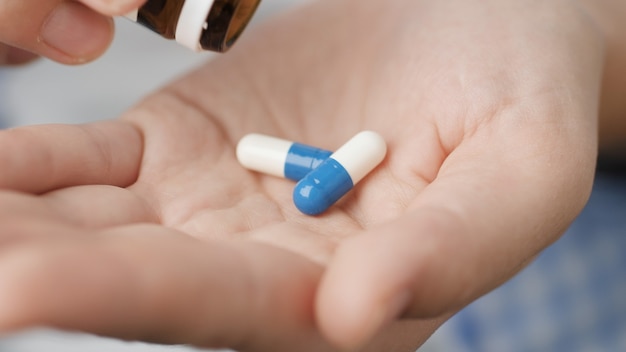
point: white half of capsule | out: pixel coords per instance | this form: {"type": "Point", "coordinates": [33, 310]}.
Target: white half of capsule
{"type": "Point", "coordinates": [361, 154]}
{"type": "Point", "coordinates": [264, 154]}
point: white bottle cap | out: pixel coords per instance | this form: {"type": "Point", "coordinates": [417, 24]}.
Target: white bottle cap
{"type": "Point", "coordinates": [191, 23]}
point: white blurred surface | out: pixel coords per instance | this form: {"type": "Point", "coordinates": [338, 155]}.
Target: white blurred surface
{"type": "Point", "coordinates": [42, 340]}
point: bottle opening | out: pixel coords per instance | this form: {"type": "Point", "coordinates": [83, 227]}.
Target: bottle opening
{"type": "Point", "coordinates": [225, 23]}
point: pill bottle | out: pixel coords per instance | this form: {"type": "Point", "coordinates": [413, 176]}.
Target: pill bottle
{"type": "Point", "coordinates": [197, 24]}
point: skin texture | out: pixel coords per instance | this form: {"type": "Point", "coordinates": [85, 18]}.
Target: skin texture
{"type": "Point", "coordinates": [609, 15]}
{"type": "Point", "coordinates": [146, 227]}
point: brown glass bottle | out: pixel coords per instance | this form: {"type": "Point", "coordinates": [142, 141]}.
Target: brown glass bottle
{"type": "Point", "coordinates": [199, 24]}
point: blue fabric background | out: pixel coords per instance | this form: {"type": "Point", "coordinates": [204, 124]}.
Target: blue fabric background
{"type": "Point", "coordinates": [572, 298]}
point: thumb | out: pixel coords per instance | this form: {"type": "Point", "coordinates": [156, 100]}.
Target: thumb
{"type": "Point", "coordinates": [458, 240]}
{"type": "Point", "coordinates": [14, 56]}
{"type": "Point", "coordinates": [64, 31]}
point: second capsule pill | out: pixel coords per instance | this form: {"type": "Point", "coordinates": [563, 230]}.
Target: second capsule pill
{"type": "Point", "coordinates": [338, 174]}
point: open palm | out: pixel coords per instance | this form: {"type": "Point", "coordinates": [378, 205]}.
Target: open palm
{"type": "Point", "coordinates": [146, 227]}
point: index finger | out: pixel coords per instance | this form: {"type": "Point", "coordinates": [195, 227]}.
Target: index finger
{"type": "Point", "coordinates": [65, 31]}
{"type": "Point", "coordinates": [42, 158]}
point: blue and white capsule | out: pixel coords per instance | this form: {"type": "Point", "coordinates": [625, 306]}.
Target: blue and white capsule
{"type": "Point", "coordinates": [279, 157]}
{"type": "Point", "coordinates": [336, 176]}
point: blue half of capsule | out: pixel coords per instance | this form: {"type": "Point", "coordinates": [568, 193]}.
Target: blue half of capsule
{"type": "Point", "coordinates": [322, 188]}
{"type": "Point", "coordinates": [301, 159]}
{"type": "Point", "coordinates": [338, 174]}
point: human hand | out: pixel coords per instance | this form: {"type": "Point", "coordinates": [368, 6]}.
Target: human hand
{"type": "Point", "coordinates": [67, 31]}
{"type": "Point", "coordinates": [146, 227]}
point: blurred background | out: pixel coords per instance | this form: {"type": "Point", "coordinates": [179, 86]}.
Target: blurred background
{"type": "Point", "coordinates": [572, 298]}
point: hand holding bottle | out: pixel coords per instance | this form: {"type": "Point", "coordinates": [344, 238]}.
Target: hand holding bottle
{"type": "Point", "coordinates": [74, 32]}
{"type": "Point", "coordinates": [70, 32]}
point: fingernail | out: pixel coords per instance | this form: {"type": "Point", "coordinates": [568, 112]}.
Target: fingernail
{"type": "Point", "coordinates": [112, 7]}
{"type": "Point", "coordinates": [76, 31]}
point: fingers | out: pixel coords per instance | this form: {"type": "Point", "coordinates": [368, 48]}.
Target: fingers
{"type": "Point", "coordinates": [471, 229]}
{"type": "Point", "coordinates": [99, 206]}
{"type": "Point", "coordinates": [150, 283]}
{"type": "Point", "coordinates": [25, 218]}
{"type": "Point", "coordinates": [67, 31]}
{"type": "Point", "coordinates": [43, 158]}
{"type": "Point", "coordinates": [64, 31]}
